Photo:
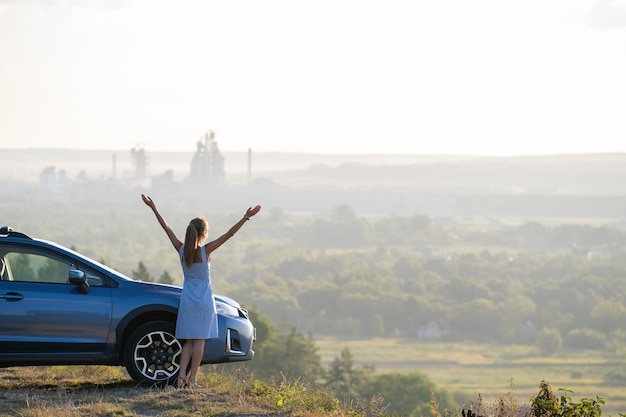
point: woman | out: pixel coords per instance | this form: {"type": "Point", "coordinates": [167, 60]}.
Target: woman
{"type": "Point", "coordinates": [197, 318]}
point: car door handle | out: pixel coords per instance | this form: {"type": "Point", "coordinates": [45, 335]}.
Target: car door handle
{"type": "Point", "coordinates": [12, 296]}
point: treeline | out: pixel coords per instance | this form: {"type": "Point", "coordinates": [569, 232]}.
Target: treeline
{"type": "Point", "coordinates": [481, 297]}
{"type": "Point", "coordinates": [341, 274]}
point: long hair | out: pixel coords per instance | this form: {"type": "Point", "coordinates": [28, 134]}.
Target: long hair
{"type": "Point", "coordinates": [196, 228]}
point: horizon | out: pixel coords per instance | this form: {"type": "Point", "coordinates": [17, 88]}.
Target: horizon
{"type": "Point", "coordinates": [320, 153]}
{"type": "Point", "coordinates": [28, 164]}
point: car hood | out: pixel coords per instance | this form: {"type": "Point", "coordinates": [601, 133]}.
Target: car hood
{"type": "Point", "coordinates": [177, 290]}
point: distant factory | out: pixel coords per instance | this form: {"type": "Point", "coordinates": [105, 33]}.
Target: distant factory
{"type": "Point", "coordinates": [207, 166]}
{"type": "Point", "coordinates": [206, 169]}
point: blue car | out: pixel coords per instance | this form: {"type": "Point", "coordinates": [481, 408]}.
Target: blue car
{"type": "Point", "coordinates": [58, 307]}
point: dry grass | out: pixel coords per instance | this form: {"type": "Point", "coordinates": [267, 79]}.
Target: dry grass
{"type": "Point", "coordinates": [106, 391]}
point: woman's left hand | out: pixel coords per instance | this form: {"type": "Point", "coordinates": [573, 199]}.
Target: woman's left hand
{"type": "Point", "coordinates": [253, 210]}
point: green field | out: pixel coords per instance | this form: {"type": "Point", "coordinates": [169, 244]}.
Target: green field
{"type": "Point", "coordinates": [469, 370]}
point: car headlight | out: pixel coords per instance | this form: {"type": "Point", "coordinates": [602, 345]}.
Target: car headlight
{"type": "Point", "coordinates": [226, 309]}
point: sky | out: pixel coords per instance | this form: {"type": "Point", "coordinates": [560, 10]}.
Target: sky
{"type": "Point", "coordinates": [476, 77]}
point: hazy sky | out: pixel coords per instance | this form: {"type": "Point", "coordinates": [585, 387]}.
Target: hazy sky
{"type": "Point", "coordinates": [491, 77]}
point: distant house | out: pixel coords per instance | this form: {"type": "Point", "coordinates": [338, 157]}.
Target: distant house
{"type": "Point", "coordinates": [434, 329]}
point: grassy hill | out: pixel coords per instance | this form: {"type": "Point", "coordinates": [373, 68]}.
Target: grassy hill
{"type": "Point", "coordinates": [106, 391]}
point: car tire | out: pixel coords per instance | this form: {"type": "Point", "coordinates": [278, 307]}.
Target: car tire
{"type": "Point", "coordinates": [152, 354]}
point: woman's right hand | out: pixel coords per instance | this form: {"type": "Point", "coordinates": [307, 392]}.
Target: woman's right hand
{"type": "Point", "coordinates": [148, 201]}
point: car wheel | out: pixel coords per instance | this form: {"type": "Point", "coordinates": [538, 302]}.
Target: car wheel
{"type": "Point", "coordinates": [152, 354]}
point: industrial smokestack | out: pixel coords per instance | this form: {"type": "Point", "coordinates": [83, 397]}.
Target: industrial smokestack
{"type": "Point", "coordinates": [249, 166]}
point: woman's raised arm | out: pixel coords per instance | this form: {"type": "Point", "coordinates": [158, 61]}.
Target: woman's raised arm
{"type": "Point", "coordinates": [176, 242]}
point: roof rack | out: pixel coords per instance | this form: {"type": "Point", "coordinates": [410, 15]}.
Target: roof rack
{"type": "Point", "coordinates": [7, 231]}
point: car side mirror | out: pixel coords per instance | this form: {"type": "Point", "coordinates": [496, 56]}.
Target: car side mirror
{"type": "Point", "coordinates": [78, 278]}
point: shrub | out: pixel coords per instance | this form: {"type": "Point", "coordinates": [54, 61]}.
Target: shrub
{"type": "Point", "coordinates": [546, 404]}
{"type": "Point", "coordinates": [549, 341]}
{"type": "Point", "coordinates": [585, 338]}
{"type": "Point", "coordinates": [616, 377]}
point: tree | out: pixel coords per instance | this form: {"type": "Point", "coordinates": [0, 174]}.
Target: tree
{"type": "Point", "coordinates": [468, 319]}
{"type": "Point", "coordinates": [297, 355]}
{"type": "Point", "coordinates": [21, 267]}
{"type": "Point", "coordinates": [53, 271]}
{"type": "Point", "coordinates": [142, 273]}
{"type": "Point", "coordinates": [343, 378]}
{"type": "Point", "coordinates": [549, 341]}
{"type": "Point", "coordinates": [166, 278]}
{"type": "Point", "coordinates": [608, 315]}
{"type": "Point", "coordinates": [407, 393]}
{"type": "Point", "coordinates": [265, 331]}
{"type": "Point", "coordinates": [288, 354]}
{"type": "Point", "coordinates": [585, 338]}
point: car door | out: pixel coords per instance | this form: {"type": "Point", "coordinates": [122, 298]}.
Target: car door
{"type": "Point", "coordinates": [41, 312]}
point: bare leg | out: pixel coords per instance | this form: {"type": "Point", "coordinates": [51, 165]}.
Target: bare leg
{"type": "Point", "coordinates": [196, 359]}
{"type": "Point", "coordinates": [185, 357]}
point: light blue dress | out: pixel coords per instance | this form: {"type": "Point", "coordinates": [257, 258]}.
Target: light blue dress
{"type": "Point", "coordinates": [197, 318]}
